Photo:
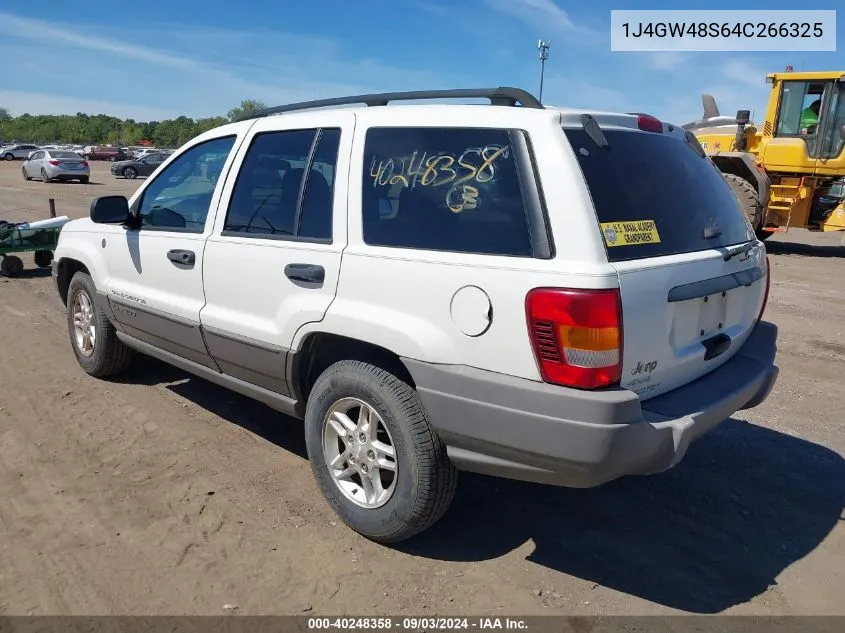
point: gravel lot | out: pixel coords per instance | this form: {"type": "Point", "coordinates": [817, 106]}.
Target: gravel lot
{"type": "Point", "coordinates": [161, 494]}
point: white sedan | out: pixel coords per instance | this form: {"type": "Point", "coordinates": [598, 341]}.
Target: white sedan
{"type": "Point", "coordinates": [56, 164]}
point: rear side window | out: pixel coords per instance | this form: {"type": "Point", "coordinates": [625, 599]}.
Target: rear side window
{"type": "Point", "coordinates": [444, 189]}
{"type": "Point", "coordinates": [654, 195]}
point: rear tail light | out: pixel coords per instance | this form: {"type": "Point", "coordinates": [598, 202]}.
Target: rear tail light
{"type": "Point", "coordinates": [768, 285]}
{"type": "Point", "coordinates": [649, 124]}
{"type": "Point", "coordinates": [85, 163]}
{"type": "Point", "coordinates": [576, 335]}
{"type": "Point", "coordinates": [55, 162]}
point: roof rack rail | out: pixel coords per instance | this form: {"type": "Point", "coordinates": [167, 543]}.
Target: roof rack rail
{"type": "Point", "coordinates": [498, 96]}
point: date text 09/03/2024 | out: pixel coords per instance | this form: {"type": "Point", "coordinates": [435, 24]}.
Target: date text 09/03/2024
{"type": "Point", "coordinates": [415, 624]}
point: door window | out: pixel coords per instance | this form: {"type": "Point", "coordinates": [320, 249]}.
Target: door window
{"type": "Point", "coordinates": [285, 186]}
{"type": "Point", "coordinates": [799, 108]}
{"type": "Point", "coordinates": [834, 133]}
{"type": "Point", "coordinates": [179, 197]}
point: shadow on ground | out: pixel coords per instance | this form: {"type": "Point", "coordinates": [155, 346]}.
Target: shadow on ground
{"type": "Point", "coordinates": [29, 273]}
{"type": "Point", "coordinates": [232, 407]}
{"type": "Point", "coordinates": [796, 248]}
{"type": "Point", "coordinates": [714, 532]}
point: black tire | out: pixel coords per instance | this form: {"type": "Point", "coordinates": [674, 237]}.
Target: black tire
{"type": "Point", "coordinates": [130, 173]}
{"type": "Point", "coordinates": [43, 259]}
{"type": "Point", "coordinates": [11, 266]}
{"type": "Point", "coordinates": [23, 173]}
{"type": "Point", "coordinates": [44, 176]}
{"type": "Point", "coordinates": [425, 477]}
{"type": "Point", "coordinates": [9, 156]}
{"type": "Point", "coordinates": [109, 356]}
{"type": "Point", "coordinates": [83, 180]}
{"type": "Point", "coordinates": [112, 159]}
{"type": "Point", "coordinates": [748, 199]}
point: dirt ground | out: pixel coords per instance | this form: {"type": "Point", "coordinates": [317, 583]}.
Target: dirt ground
{"type": "Point", "coordinates": [161, 494]}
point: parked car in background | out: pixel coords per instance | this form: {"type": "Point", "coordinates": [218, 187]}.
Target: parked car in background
{"type": "Point", "coordinates": [56, 164]}
{"type": "Point", "coordinates": [106, 152]}
{"type": "Point", "coordinates": [138, 167]}
{"type": "Point", "coordinates": [17, 152]}
{"type": "Point", "coordinates": [145, 151]}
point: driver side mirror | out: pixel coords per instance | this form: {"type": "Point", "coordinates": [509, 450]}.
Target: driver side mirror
{"type": "Point", "coordinates": [110, 210]}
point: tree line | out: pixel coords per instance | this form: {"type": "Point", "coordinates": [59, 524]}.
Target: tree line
{"type": "Point", "coordinates": [85, 129]}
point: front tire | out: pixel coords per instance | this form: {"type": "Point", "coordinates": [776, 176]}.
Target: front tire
{"type": "Point", "coordinates": [387, 436]}
{"type": "Point", "coordinates": [93, 338]}
{"type": "Point", "coordinates": [24, 174]}
{"type": "Point", "coordinates": [130, 173]}
{"type": "Point", "coordinates": [11, 266]}
{"type": "Point", "coordinates": [746, 193]}
{"type": "Point", "coordinates": [9, 156]}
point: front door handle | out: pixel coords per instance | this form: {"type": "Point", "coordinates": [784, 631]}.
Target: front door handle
{"type": "Point", "coordinates": [178, 256]}
{"type": "Point", "coordinates": [306, 273]}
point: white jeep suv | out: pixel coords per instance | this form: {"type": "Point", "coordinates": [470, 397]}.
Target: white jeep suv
{"type": "Point", "coordinates": [544, 294]}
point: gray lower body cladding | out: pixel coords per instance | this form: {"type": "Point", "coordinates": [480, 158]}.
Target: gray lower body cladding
{"type": "Point", "coordinates": [492, 423]}
{"type": "Point", "coordinates": [521, 429]}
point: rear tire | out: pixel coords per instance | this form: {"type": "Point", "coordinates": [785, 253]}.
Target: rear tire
{"type": "Point", "coordinates": [106, 355]}
{"type": "Point", "coordinates": [43, 259]}
{"type": "Point", "coordinates": [130, 173]}
{"type": "Point", "coordinates": [84, 180]}
{"type": "Point", "coordinates": [424, 479]}
{"type": "Point", "coordinates": [9, 156]}
{"type": "Point", "coordinates": [44, 177]}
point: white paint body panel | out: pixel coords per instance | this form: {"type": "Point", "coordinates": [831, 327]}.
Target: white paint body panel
{"type": "Point", "coordinates": [401, 299]}
{"type": "Point", "coordinates": [246, 290]}
{"type": "Point", "coordinates": [138, 263]}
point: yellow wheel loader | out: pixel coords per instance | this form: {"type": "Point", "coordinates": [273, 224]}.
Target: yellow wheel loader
{"type": "Point", "coordinates": [789, 172]}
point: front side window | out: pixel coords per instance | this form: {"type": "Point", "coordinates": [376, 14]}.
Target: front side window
{"type": "Point", "coordinates": [179, 197]}
{"type": "Point", "coordinates": [285, 186]}
{"type": "Point", "coordinates": [444, 189]}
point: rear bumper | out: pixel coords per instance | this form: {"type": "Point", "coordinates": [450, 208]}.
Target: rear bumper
{"type": "Point", "coordinates": [68, 174]}
{"type": "Point", "coordinates": [522, 429]}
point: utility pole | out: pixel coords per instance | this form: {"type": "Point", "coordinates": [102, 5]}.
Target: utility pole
{"type": "Point", "coordinates": [543, 47]}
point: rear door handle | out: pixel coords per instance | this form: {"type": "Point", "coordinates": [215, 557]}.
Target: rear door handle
{"type": "Point", "coordinates": [178, 256]}
{"type": "Point", "coordinates": [307, 273]}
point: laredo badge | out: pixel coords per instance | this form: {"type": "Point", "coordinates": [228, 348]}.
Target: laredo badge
{"type": "Point", "coordinates": [630, 233]}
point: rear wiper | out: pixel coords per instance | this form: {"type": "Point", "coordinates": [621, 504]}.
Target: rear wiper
{"type": "Point", "coordinates": [733, 251]}
{"type": "Point", "coordinates": [594, 131]}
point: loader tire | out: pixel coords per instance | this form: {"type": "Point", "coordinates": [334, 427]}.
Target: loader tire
{"type": "Point", "coordinates": [746, 193]}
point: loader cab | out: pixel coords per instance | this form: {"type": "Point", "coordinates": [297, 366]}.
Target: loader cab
{"type": "Point", "coordinates": [794, 97]}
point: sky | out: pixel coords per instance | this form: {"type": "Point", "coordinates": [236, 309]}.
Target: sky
{"type": "Point", "coordinates": [202, 57]}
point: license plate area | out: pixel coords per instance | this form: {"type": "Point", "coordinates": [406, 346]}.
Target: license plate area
{"type": "Point", "coordinates": [712, 314]}
{"type": "Point", "coordinates": [695, 320]}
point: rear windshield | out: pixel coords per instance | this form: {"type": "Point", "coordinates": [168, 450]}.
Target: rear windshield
{"type": "Point", "coordinates": [56, 154]}
{"type": "Point", "coordinates": [654, 195]}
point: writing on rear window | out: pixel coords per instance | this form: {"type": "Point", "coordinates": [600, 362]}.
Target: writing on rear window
{"type": "Point", "coordinates": [630, 232]}
{"type": "Point", "coordinates": [461, 172]}
{"type": "Point", "coordinates": [445, 189]}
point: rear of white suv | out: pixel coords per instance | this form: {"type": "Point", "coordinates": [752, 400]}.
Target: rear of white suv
{"type": "Point", "coordinates": [631, 374]}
